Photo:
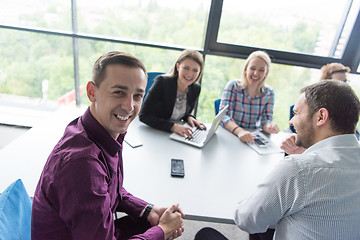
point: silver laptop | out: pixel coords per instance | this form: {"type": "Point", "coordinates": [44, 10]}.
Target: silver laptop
{"type": "Point", "coordinates": [201, 137]}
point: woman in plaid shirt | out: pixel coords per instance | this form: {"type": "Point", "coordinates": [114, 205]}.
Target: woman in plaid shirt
{"type": "Point", "coordinates": [250, 102]}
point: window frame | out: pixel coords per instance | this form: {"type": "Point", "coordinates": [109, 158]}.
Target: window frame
{"type": "Point", "coordinates": [351, 54]}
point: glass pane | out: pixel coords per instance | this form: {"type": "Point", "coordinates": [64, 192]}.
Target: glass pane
{"type": "Point", "coordinates": [307, 26]}
{"type": "Point", "coordinates": [220, 70]}
{"type": "Point", "coordinates": [55, 14]}
{"type": "Point", "coordinates": [179, 23]}
{"type": "Point", "coordinates": [217, 72]}
{"type": "Point", "coordinates": [354, 81]}
{"type": "Point", "coordinates": [155, 60]}
{"type": "Point", "coordinates": [36, 66]}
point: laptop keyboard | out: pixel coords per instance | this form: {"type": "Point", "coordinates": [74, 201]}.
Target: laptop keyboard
{"type": "Point", "coordinates": [199, 135]}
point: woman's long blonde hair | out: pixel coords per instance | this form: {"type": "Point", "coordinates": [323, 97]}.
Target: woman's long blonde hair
{"type": "Point", "coordinates": [264, 56]}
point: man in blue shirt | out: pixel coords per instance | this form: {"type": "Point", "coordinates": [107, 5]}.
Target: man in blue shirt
{"type": "Point", "coordinates": [313, 195]}
{"type": "Point", "coordinates": [80, 187]}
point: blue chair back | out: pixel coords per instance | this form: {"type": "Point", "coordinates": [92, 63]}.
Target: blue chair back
{"type": "Point", "coordinates": [151, 78]}
{"type": "Point", "coordinates": [291, 116]}
{"type": "Point", "coordinates": [217, 105]}
{"type": "Point", "coordinates": [15, 212]}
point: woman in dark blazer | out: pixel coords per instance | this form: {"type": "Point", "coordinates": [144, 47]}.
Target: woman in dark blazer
{"type": "Point", "coordinates": [173, 96]}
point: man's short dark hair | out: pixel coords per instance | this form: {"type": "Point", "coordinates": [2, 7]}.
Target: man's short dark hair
{"type": "Point", "coordinates": [339, 99]}
{"type": "Point", "coordinates": [114, 57]}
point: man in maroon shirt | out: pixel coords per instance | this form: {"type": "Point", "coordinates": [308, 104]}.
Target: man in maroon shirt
{"type": "Point", "coordinates": [80, 187]}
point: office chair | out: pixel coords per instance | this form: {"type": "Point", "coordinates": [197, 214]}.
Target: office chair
{"type": "Point", "coordinates": [217, 105]}
{"type": "Point", "coordinates": [291, 116]}
{"type": "Point", "coordinates": [151, 78]}
{"type": "Point", "coordinates": [15, 212]}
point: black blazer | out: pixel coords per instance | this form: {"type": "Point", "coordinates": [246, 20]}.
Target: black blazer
{"type": "Point", "coordinates": [160, 100]}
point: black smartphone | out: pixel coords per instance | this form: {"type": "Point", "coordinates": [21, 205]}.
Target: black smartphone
{"type": "Point", "coordinates": [260, 141]}
{"type": "Point", "coordinates": [177, 168]}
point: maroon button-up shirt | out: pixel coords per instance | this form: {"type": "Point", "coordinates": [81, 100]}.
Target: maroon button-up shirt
{"type": "Point", "coordinates": [81, 187]}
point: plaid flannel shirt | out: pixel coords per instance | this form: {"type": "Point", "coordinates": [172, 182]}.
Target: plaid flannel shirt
{"type": "Point", "coordinates": [245, 111]}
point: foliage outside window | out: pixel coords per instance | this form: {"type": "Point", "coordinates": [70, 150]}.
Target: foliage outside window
{"type": "Point", "coordinates": [31, 63]}
{"type": "Point", "coordinates": [295, 26]}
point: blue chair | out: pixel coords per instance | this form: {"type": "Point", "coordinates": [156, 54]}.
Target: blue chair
{"type": "Point", "coordinates": [217, 105]}
{"type": "Point", "coordinates": [151, 78]}
{"type": "Point", "coordinates": [15, 212]}
{"type": "Point", "coordinates": [291, 116]}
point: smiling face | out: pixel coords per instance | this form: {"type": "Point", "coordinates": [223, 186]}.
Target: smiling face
{"type": "Point", "coordinates": [256, 71]}
{"type": "Point", "coordinates": [189, 71]}
{"type": "Point", "coordinates": [117, 101]}
{"type": "Point", "coordinates": [303, 123]}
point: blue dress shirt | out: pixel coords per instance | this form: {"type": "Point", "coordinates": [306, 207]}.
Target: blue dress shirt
{"type": "Point", "coordinates": [314, 195]}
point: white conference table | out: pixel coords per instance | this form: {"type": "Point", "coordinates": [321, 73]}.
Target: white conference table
{"type": "Point", "coordinates": [217, 176]}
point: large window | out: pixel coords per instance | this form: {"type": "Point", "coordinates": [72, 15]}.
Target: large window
{"type": "Point", "coordinates": [310, 27]}
{"type": "Point", "coordinates": [35, 65]}
{"type": "Point", "coordinates": [180, 23]}
{"type": "Point", "coordinates": [155, 60]}
{"type": "Point", "coordinates": [52, 14]}
{"type": "Point", "coordinates": [48, 48]}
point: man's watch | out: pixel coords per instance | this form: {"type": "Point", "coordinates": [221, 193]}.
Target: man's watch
{"type": "Point", "coordinates": [147, 211]}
